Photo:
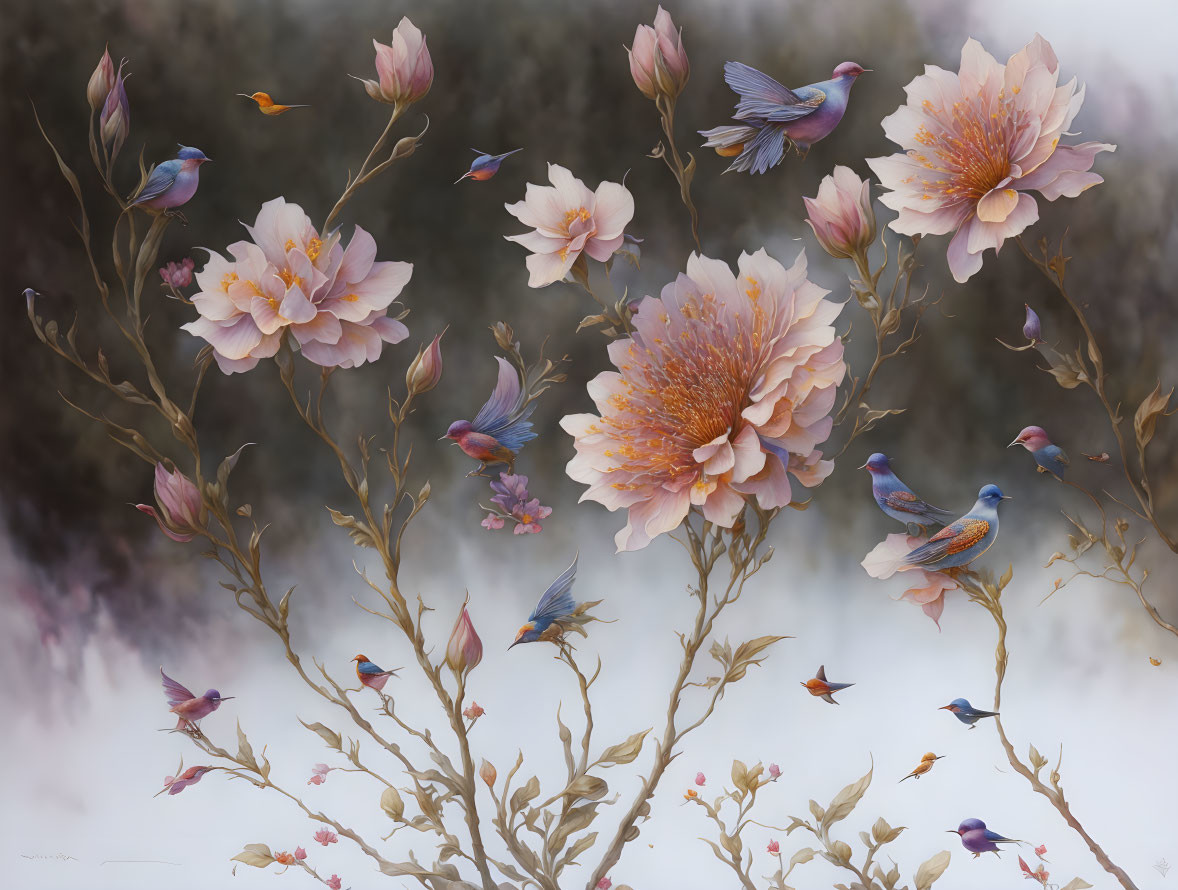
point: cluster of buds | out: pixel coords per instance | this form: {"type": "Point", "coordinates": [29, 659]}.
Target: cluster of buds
{"type": "Point", "coordinates": [464, 650]}
{"type": "Point", "coordinates": [841, 216]}
{"type": "Point", "coordinates": [425, 371]}
{"type": "Point", "coordinates": [181, 514]}
{"type": "Point", "coordinates": [106, 89]}
{"type": "Point", "coordinates": [404, 69]}
{"type": "Point", "coordinates": [658, 60]}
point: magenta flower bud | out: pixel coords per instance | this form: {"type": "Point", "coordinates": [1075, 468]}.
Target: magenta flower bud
{"type": "Point", "coordinates": [404, 68]}
{"type": "Point", "coordinates": [774, 771]}
{"type": "Point", "coordinates": [774, 847]}
{"type": "Point", "coordinates": [425, 371]}
{"type": "Point", "coordinates": [101, 82]}
{"type": "Point", "coordinates": [115, 121]}
{"type": "Point", "coordinates": [658, 59]}
{"type": "Point", "coordinates": [841, 215]}
{"type": "Point", "coordinates": [700, 779]}
{"type": "Point", "coordinates": [181, 514]}
{"type": "Point", "coordinates": [465, 649]}
{"type": "Point", "coordinates": [179, 274]}
{"type": "Point", "coordinates": [1032, 329]}
{"type": "Point", "coordinates": [300, 853]}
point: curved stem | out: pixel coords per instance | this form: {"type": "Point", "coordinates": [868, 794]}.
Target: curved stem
{"type": "Point", "coordinates": [364, 174]}
{"type": "Point", "coordinates": [666, 109]}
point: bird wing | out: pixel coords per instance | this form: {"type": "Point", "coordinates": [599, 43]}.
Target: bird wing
{"type": "Point", "coordinates": [749, 83]}
{"type": "Point", "coordinates": [953, 538]}
{"type": "Point", "coordinates": [821, 675]}
{"type": "Point", "coordinates": [810, 99]}
{"type": "Point", "coordinates": [1062, 457]}
{"type": "Point", "coordinates": [999, 839]}
{"type": "Point", "coordinates": [161, 179]}
{"type": "Point", "coordinates": [762, 153]}
{"type": "Point", "coordinates": [175, 692]}
{"type": "Point", "coordinates": [367, 667]}
{"type": "Point", "coordinates": [557, 601]}
{"type": "Point", "coordinates": [505, 414]}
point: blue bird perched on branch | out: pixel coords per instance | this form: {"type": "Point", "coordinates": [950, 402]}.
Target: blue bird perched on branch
{"type": "Point", "coordinates": [965, 539]}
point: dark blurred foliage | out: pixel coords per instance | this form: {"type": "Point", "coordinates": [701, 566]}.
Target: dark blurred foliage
{"type": "Point", "coordinates": [551, 77]}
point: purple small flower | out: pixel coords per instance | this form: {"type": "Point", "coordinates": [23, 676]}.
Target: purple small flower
{"type": "Point", "coordinates": [526, 515]}
{"type": "Point", "coordinates": [513, 501]}
{"type": "Point", "coordinates": [1031, 328]}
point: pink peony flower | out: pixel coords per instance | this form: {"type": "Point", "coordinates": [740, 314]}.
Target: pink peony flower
{"type": "Point", "coordinates": [179, 274]}
{"type": "Point", "coordinates": [334, 882]}
{"type": "Point", "coordinates": [464, 650]}
{"type": "Point", "coordinates": [319, 774]}
{"type": "Point", "coordinates": [841, 215]}
{"type": "Point", "coordinates": [658, 61]}
{"type": "Point", "coordinates": [569, 219]}
{"type": "Point", "coordinates": [300, 853]}
{"type": "Point", "coordinates": [332, 300]}
{"type": "Point", "coordinates": [928, 588]}
{"type": "Point", "coordinates": [404, 68]}
{"type": "Point", "coordinates": [774, 847]}
{"type": "Point", "coordinates": [700, 778]}
{"type": "Point", "coordinates": [774, 771]}
{"type": "Point", "coordinates": [473, 711]}
{"type": "Point", "coordinates": [326, 836]}
{"type": "Point", "coordinates": [724, 389]}
{"type": "Point", "coordinates": [181, 512]}
{"type": "Point", "coordinates": [976, 143]}
{"type": "Point", "coordinates": [604, 884]}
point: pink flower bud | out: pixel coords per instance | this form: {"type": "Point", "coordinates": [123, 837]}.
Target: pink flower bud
{"type": "Point", "coordinates": [841, 215]}
{"type": "Point", "coordinates": [179, 274]}
{"type": "Point", "coordinates": [115, 121]}
{"type": "Point", "coordinates": [426, 370]}
{"type": "Point", "coordinates": [334, 882]}
{"type": "Point", "coordinates": [658, 60]}
{"type": "Point", "coordinates": [404, 67]}
{"type": "Point", "coordinates": [774, 847]}
{"type": "Point", "coordinates": [487, 773]}
{"type": "Point", "coordinates": [181, 514]}
{"type": "Point", "coordinates": [604, 884]}
{"type": "Point", "coordinates": [700, 779]}
{"type": "Point", "coordinates": [101, 82]}
{"type": "Point", "coordinates": [474, 711]}
{"type": "Point", "coordinates": [326, 836]}
{"type": "Point", "coordinates": [774, 771]}
{"type": "Point", "coordinates": [465, 649]}
{"type": "Point", "coordinates": [300, 853]}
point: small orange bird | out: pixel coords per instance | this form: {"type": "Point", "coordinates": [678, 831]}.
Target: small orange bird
{"type": "Point", "coordinates": [266, 105]}
{"type": "Point", "coordinates": [926, 763]}
{"type": "Point", "coordinates": [823, 689]}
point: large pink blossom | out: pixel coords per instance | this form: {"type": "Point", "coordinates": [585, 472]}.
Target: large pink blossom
{"type": "Point", "coordinates": [724, 389]}
{"type": "Point", "coordinates": [568, 218]}
{"type": "Point", "coordinates": [332, 300]}
{"type": "Point", "coordinates": [976, 143]}
{"type": "Point", "coordinates": [926, 588]}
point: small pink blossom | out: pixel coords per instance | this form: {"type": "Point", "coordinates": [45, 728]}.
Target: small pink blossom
{"type": "Point", "coordinates": [179, 274]}
{"type": "Point", "coordinates": [319, 774]}
{"type": "Point", "coordinates": [473, 711]}
{"type": "Point", "coordinates": [464, 650]}
{"type": "Point", "coordinates": [1041, 851]}
{"type": "Point", "coordinates": [300, 854]}
{"type": "Point", "coordinates": [404, 67]}
{"type": "Point", "coordinates": [334, 882]}
{"type": "Point", "coordinates": [774, 847]}
{"type": "Point", "coordinates": [1039, 874]}
{"type": "Point", "coordinates": [512, 501]}
{"type": "Point", "coordinates": [604, 884]}
{"type": "Point", "coordinates": [774, 771]}
{"type": "Point", "coordinates": [927, 588]}
{"type": "Point", "coordinates": [567, 219]}
{"type": "Point", "coordinates": [492, 522]}
{"type": "Point", "coordinates": [284, 858]}
{"type": "Point", "coordinates": [658, 60]}
{"type": "Point", "coordinates": [326, 836]}
{"type": "Point", "coordinates": [700, 778]}
{"type": "Point", "coordinates": [181, 513]}
{"type": "Point", "coordinates": [841, 214]}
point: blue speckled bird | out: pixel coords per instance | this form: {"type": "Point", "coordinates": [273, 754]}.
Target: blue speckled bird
{"type": "Point", "coordinates": [965, 712]}
{"type": "Point", "coordinates": [1050, 458]}
{"type": "Point", "coordinates": [557, 613]}
{"type": "Point", "coordinates": [770, 113]}
{"type": "Point", "coordinates": [485, 165]}
{"type": "Point", "coordinates": [964, 539]}
{"type": "Point", "coordinates": [501, 428]}
{"type": "Point", "coordinates": [172, 183]}
{"type": "Point", "coordinates": [896, 499]}
{"type": "Point", "coordinates": [978, 839]}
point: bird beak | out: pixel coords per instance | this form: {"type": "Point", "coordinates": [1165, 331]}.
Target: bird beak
{"type": "Point", "coordinates": [227, 697]}
{"type": "Point", "coordinates": [462, 177]}
{"type": "Point", "coordinates": [864, 467]}
{"type": "Point", "coordinates": [1007, 497]}
{"type": "Point", "coordinates": [245, 95]}
{"type": "Point", "coordinates": [440, 438]}
{"type": "Point", "coordinates": [944, 707]}
{"type": "Point", "coordinates": [868, 70]}
{"type": "Point", "coordinates": [951, 830]}
{"type": "Point", "coordinates": [1015, 442]}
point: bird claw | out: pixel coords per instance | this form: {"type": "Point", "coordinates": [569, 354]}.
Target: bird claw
{"type": "Point", "coordinates": [176, 214]}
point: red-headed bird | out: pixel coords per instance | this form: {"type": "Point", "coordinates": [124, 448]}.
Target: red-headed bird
{"type": "Point", "coordinates": [501, 428]}
{"type": "Point", "coordinates": [823, 689]}
{"type": "Point", "coordinates": [190, 708]}
{"type": "Point", "coordinates": [371, 675]}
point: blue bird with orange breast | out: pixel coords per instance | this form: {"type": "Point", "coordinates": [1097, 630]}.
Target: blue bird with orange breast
{"type": "Point", "coordinates": [557, 613]}
{"type": "Point", "coordinates": [965, 712]}
{"type": "Point", "coordinates": [896, 499]}
{"type": "Point", "coordinates": [501, 428]}
{"type": "Point", "coordinates": [371, 675]}
{"type": "Point", "coordinates": [485, 165]}
{"type": "Point", "coordinates": [964, 540]}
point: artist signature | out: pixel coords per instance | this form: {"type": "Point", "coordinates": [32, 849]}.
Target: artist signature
{"type": "Point", "coordinates": [49, 857]}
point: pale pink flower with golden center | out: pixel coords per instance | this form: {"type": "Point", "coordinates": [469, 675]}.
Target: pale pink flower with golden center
{"type": "Point", "coordinates": [567, 219]}
{"type": "Point", "coordinates": [976, 143]}
{"type": "Point", "coordinates": [927, 588]}
{"type": "Point", "coordinates": [332, 300]}
{"type": "Point", "coordinates": [723, 391]}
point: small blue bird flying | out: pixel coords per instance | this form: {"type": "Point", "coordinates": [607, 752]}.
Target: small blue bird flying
{"type": "Point", "coordinates": [172, 183]}
{"type": "Point", "coordinates": [557, 613]}
{"type": "Point", "coordinates": [769, 114]}
{"type": "Point", "coordinates": [896, 499]}
{"type": "Point", "coordinates": [965, 539]}
{"type": "Point", "coordinates": [965, 712]}
{"type": "Point", "coordinates": [1050, 457]}
{"type": "Point", "coordinates": [501, 428]}
{"type": "Point", "coordinates": [978, 839]}
{"type": "Point", "coordinates": [485, 165]}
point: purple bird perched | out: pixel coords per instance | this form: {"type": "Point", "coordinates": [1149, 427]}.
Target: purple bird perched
{"type": "Point", "coordinates": [501, 428]}
{"type": "Point", "coordinates": [896, 499]}
{"type": "Point", "coordinates": [1050, 458]}
{"type": "Point", "coordinates": [172, 183]}
{"type": "Point", "coordinates": [965, 539]}
{"type": "Point", "coordinates": [556, 613]}
{"type": "Point", "coordinates": [485, 165]}
{"type": "Point", "coordinates": [770, 113]}
{"type": "Point", "coordinates": [978, 839]}
{"type": "Point", "coordinates": [188, 707]}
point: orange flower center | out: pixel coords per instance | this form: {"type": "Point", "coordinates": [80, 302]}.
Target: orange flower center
{"type": "Point", "coordinates": [227, 279]}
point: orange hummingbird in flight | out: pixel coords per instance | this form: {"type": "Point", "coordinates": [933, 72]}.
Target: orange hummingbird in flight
{"type": "Point", "coordinates": [266, 105]}
{"type": "Point", "coordinates": [822, 688]}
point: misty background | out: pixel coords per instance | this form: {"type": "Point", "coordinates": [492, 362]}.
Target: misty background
{"type": "Point", "coordinates": [95, 598]}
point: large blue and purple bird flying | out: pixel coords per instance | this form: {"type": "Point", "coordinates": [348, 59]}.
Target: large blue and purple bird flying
{"type": "Point", "coordinates": [896, 499]}
{"type": "Point", "coordinates": [501, 428]}
{"type": "Point", "coordinates": [965, 539]}
{"type": "Point", "coordinates": [978, 839]}
{"type": "Point", "coordinates": [769, 114]}
{"type": "Point", "coordinates": [172, 183]}
{"type": "Point", "coordinates": [557, 613]}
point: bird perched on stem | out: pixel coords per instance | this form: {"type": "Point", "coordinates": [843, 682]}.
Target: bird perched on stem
{"type": "Point", "coordinates": [501, 428]}
{"type": "Point", "coordinates": [171, 183]}
{"type": "Point", "coordinates": [1050, 457]}
{"type": "Point", "coordinates": [485, 165]}
{"type": "Point", "coordinates": [769, 114]}
{"type": "Point", "coordinates": [820, 687]}
{"type": "Point", "coordinates": [556, 613]}
{"type": "Point", "coordinates": [926, 763]}
{"type": "Point", "coordinates": [965, 539]}
{"type": "Point", "coordinates": [191, 709]}
{"type": "Point", "coordinates": [896, 499]}
{"type": "Point", "coordinates": [370, 675]}
{"type": "Point", "coordinates": [978, 839]}
{"type": "Point", "coordinates": [965, 712]}
{"type": "Point", "coordinates": [268, 106]}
